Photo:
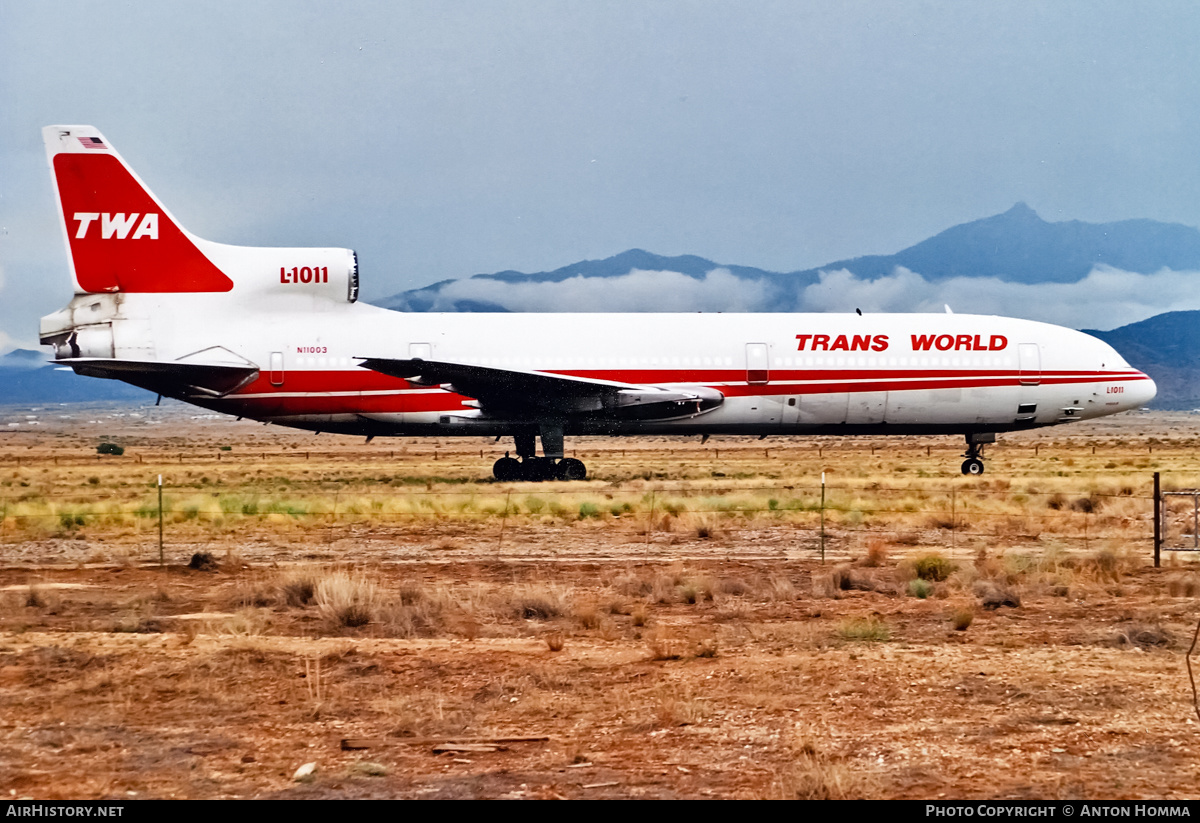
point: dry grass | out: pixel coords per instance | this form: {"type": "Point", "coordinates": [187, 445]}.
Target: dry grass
{"type": "Point", "coordinates": [663, 644]}
{"type": "Point", "coordinates": [1184, 585]}
{"type": "Point", "coordinates": [1145, 632]}
{"type": "Point", "coordinates": [813, 775]}
{"type": "Point", "coordinates": [298, 587]}
{"type": "Point", "coordinates": [864, 629]}
{"type": "Point", "coordinates": [675, 706]}
{"type": "Point", "coordinates": [347, 601]}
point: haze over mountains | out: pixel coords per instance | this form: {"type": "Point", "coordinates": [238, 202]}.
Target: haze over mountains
{"type": "Point", "coordinates": [1076, 274]}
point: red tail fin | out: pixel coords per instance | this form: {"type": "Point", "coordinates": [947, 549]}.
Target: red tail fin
{"type": "Point", "coordinates": [119, 236]}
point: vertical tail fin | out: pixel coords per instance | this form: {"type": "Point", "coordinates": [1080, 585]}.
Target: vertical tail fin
{"type": "Point", "coordinates": [119, 236]}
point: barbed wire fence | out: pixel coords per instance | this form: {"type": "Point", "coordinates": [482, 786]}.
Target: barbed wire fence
{"type": "Point", "coordinates": [789, 519]}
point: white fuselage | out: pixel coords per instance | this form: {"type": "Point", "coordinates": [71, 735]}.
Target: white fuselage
{"type": "Point", "coordinates": [779, 373]}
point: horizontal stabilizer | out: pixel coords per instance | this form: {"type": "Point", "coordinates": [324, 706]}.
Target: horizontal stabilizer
{"type": "Point", "coordinates": [171, 377]}
{"type": "Point", "coordinates": [505, 392]}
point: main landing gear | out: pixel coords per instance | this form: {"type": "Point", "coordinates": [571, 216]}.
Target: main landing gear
{"type": "Point", "coordinates": [552, 466]}
{"type": "Point", "coordinates": [508, 469]}
{"type": "Point", "coordinates": [973, 465]}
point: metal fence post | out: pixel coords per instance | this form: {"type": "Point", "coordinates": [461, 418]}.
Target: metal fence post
{"type": "Point", "coordinates": [161, 560]}
{"type": "Point", "coordinates": [822, 518]}
{"type": "Point", "coordinates": [1157, 521]}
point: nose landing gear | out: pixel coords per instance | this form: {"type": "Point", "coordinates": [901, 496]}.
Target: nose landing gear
{"type": "Point", "coordinates": [973, 465]}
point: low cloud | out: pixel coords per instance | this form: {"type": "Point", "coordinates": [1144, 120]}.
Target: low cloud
{"type": "Point", "coordinates": [638, 291]}
{"type": "Point", "coordinates": [1104, 299]}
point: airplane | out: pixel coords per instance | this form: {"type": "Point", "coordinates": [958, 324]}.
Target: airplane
{"type": "Point", "coordinates": [278, 335]}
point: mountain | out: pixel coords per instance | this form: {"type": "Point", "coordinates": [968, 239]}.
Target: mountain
{"type": "Point", "coordinates": [1017, 246]}
{"type": "Point", "coordinates": [23, 358]}
{"type": "Point", "coordinates": [1020, 247]}
{"type": "Point", "coordinates": [1166, 347]}
{"type": "Point", "coordinates": [437, 297]}
{"type": "Point", "coordinates": [27, 380]}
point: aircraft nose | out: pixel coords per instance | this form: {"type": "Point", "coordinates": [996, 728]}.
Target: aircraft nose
{"type": "Point", "coordinates": [1139, 392]}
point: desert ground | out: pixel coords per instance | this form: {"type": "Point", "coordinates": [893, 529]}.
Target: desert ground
{"type": "Point", "coordinates": [329, 618]}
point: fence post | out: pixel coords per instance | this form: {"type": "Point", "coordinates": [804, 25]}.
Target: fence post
{"type": "Point", "coordinates": [161, 561]}
{"type": "Point", "coordinates": [822, 518]}
{"type": "Point", "coordinates": [1157, 521]}
{"type": "Point", "coordinates": [503, 519]}
{"type": "Point", "coordinates": [333, 515]}
{"type": "Point", "coordinates": [650, 524]}
{"type": "Point", "coordinates": [953, 520]}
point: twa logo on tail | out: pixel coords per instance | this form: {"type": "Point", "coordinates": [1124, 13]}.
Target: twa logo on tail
{"type": "Point", "coordinates": [117, 225]}
{"type": "Point", "coordinates": [102, 201]}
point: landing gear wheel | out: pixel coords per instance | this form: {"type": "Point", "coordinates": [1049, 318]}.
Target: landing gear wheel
{"type": "Point", "coordinates": [972, 465]}
{"type": "Point", "coordinates": [537, 469]}
{"type": "Point", "coordinates": [571, 469]}
{"type": "Point", "coordinates": [507, 469]}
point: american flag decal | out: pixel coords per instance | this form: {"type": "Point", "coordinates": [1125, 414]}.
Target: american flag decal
{"type": "Point", "coordinates": [92, 142]}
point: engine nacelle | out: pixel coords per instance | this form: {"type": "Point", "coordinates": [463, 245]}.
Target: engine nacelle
{"type": "Point", "coordinates": [333, 268]}
{"type": "Point", "coordinates": [321, 274]}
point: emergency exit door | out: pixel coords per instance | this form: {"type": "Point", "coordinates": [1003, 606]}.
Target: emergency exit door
{"type": "Point", "coordinates": [758, 367]}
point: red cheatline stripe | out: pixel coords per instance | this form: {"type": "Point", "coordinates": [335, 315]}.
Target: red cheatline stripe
{"type": "Point", "coordinates": [287, 399]}
{"type": "Point", "coordinates": [356, 380]}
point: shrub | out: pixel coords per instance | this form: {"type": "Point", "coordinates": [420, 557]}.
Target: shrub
{"type": "Point", "coordinates": [706, 647]}
{"type": "Point", "coordinates": [962, 619]}
{"type": "Point", "coordinates": [110, 448]}
{"type": "Point", "coordinates": [534, 602]}
{"type": "Point", "coordinates": [1142, 634]}
{"type": "Point", "coordinates": [814, 776]}
{"type": "Point", "coordinates": [347, 601]}
{"type": "Point", "coordinates": [299, 588]}
{"type": "Point", "coordinates": [919, 588]}
{"type": "Point", "coordinates": [638, 615]}
{"type": "Point", "coordinates": [933, 567]}
{"type": "Point", "coordinates": [993, 594]}
{"type": "Point", "coordinates": [876, 553]}
{"type": "Point", "coordinates": [868, 629]}
{"type": "Point", "coordinates": [1183, 586]}
{"type": "Point", "coordinates": [370, 769]}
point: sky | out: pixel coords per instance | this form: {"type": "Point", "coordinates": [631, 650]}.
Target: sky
{"type": "Point", "coordinates": [443, 139]}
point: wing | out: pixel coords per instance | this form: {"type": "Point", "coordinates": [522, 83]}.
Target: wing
{"type": "Point", "coordinates": [512, 392]}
